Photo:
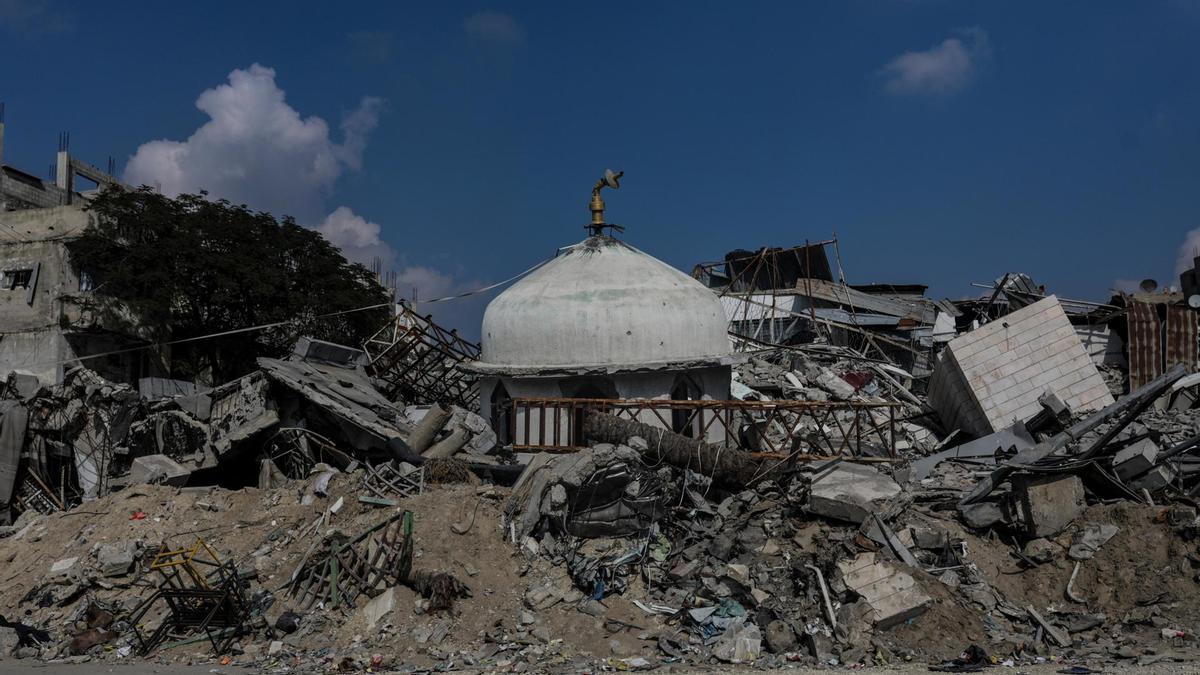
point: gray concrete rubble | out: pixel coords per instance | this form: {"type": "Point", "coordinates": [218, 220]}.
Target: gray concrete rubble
{"type": "Point", "coordinates": [849, 492]}
{"type": "Point", "coordinates": [158, 469]}
{"type": "Point", "coordinates": [892, 595]}
{"type": "Point", "coordinates": [116, 560]}
{"type": "Point", "coordinates": [846, 476]}
{"type": "Point", "coordinates": [1046, 506]}
{"type": "Point", "coordinates": [317, 405]}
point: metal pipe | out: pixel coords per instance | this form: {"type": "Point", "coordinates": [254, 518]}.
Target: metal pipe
{"type": "Point", "coordinates": [824, 595]}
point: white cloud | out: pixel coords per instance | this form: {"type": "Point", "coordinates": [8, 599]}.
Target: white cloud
{"type": "Point", "coordinates": [495, 27]}
{"type": "Point", "coordinates": [256, 149]}
{"type": "Point", "coordinates": [939, 70]}
{"type": "Point", "coordinates": [1189, 250]}
{"type": "Point", "coordinates": [357, 237]}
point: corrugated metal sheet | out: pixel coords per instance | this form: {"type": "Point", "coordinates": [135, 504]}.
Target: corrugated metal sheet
{"type": "Point", "coordinates": [1145, 344]}
{"type": "Point", "coordinates": [1181, 337]}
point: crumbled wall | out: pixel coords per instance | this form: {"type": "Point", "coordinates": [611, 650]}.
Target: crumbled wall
{"type": "Point", "coordinates": [1001, 369]}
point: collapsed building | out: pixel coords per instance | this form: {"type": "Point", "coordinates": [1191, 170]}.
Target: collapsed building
{"type": "Point", "coordinates": [634, 469]}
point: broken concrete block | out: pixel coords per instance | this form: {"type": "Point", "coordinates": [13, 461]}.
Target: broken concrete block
{"type": "Point", "coordinates": [1046, 505]}
{"type": "Point", "coordinates": [980, 516]}
{"type": "Point", "coordinates": [379, 606]}
{"type": "Point", "coordinates": [157, 469]}
{"type": "Point", "coordinates": [1158, 478]}
{"type": "Point", "coordinates": [929, 537]}
{"type": "Point", "coordinates": [1135, 460]}
{"type": "Point", "coordinates": [63, 566]}
{"type": "Point", "coordinates": [311, 349]}
{"type": "Point", "coordinates": [892, 595]}
{"type": "Point", "coordinates": [1042, 550]}
{"type": "Point", "coordinates": [25, 385]}
{"type": "Point", "coordinates": [196, 405]}
{"type": "Point", "coordinates": [740, 643]}
{"type": "Point", "coordinates": [819, 647]}
{"type": "Point", "coordinates": [836, 386]}
{"type": "Point", "coordinates": [114, 560]}
{"type": "Point", "coordinates": [849, 492]}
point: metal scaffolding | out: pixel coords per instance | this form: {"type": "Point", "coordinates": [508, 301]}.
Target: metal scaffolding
{"type": "Point", "coordinates": [414, 360]}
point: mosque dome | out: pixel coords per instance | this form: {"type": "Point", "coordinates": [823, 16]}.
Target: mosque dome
{"type": "Point", "coordinates": [603, 305]}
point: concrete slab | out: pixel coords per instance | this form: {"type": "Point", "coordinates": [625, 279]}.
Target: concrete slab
{"type": "Point", "coordinates": [892, 595]}
{"type": "Point", "coordinates": [379, 606]}
{"type": "Point", "coordinates": [849, 492]}
{"type": "Point", "coordinates": [157, 469]}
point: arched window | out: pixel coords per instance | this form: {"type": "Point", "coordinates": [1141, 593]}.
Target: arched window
{"type": "Point", "coordinates": [501, 405]}
{"type": "Point", "coordinates": [686, 421]}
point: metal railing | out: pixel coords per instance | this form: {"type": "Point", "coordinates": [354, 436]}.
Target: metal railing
{"type": "Point", "coordinates": [806, 429]}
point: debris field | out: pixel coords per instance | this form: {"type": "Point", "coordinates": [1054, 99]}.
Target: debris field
{"type": "Point", "coordinates": [864, 478]}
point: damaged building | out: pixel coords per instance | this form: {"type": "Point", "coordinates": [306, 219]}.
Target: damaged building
{"type": "Point", "coordinates": [602, 320]}
{"type": "Point", "coordinates": [49, 317]}
{"type": "Point", "coordinates": [632, 471]}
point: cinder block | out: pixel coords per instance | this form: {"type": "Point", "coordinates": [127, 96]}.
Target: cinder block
{"type": "Point", "coordinates": [1135, 459]}
{"type": "Point", "coordinates": [1048, 504]}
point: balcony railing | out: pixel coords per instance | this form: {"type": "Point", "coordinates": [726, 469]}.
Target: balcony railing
{"type": "Point", "coordinates": [804, 429]}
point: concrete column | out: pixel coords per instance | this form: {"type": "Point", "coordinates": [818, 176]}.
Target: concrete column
{"type": "Point", "coordinates": [63, 175]}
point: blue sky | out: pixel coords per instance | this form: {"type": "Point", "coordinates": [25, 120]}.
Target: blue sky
{"type": "Point", "coordinates": [944, 142]}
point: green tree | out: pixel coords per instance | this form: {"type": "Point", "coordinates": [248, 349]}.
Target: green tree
{"type": "Point", "coordinates": [189, 266]}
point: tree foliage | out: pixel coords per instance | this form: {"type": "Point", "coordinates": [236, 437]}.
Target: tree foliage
{"type": "Point", "coordinates": [188, 267]}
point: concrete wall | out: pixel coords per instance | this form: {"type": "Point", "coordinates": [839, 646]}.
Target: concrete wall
{"type": "Point", "coordinates": [43, 233]}
{"type": "Point", "coordinates": [994, 375]}
{"type": "Point", "coordinates": [1104, 346]}
{"type": "Point", "coordinates": [37, 353]}
{"type": "Point", "coordinates": [31, 337]}
{"type": "Point", "coordinates": [32, 334]}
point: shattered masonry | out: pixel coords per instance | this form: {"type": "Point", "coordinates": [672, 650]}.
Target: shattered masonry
{"type": "Point", "coordinates": [757, 464]}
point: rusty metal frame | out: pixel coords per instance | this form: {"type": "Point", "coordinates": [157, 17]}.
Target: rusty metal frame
{"type": "Point", "coordinates": [805, 429]}
{"type": "Point", "coordinates": [201, 592]}
{"type": "Point", "coordinates": [414, 360]}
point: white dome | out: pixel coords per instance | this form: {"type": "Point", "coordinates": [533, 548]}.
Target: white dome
{"type": "Point", "coordinates": [603, 304]}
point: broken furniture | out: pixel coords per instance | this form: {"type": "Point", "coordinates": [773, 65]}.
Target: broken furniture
{"type": "Point", "coordinates": [339, 568]}
{"type": "Point", "coordinates": [202, 595]}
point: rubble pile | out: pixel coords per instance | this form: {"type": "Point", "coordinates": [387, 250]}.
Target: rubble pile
{"type": "Point", "coordinates": [1013, 506]}
{"type": "Point", "coordinates": [87, 436]}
